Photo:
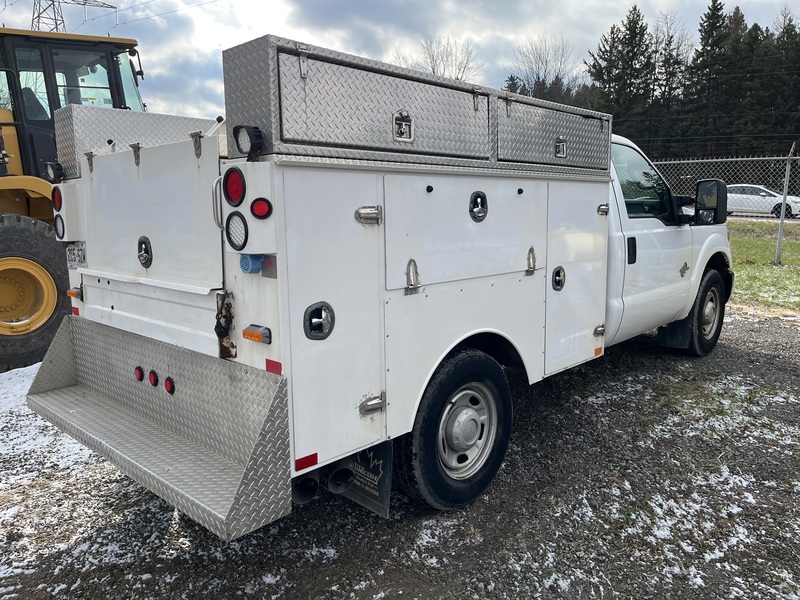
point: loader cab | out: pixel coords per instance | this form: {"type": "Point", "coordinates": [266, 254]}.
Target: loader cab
{"type": "Point", "coordinates": [41, 72]}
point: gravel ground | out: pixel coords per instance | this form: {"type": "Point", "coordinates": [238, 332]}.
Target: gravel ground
{"type": "Point", "coordinates": [644, 474]}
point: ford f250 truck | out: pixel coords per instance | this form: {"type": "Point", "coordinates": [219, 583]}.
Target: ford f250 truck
{"type": "Point", "coordinates": [328, 289]}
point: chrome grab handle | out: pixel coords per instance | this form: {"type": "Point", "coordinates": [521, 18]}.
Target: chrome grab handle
{"type": "Point", "coordinates": [216, 200]}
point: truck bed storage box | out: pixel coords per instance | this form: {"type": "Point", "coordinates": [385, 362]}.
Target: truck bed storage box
{"type": "Point", "coordinates": [316, 102]}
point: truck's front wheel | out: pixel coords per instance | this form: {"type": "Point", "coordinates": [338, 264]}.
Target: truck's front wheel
{"type": "Point", "coordinates": [460, 434]}
{"type": "Point", "coordinates": [33, 281]}
{"type": "Point", "coordinates": [707, 314]}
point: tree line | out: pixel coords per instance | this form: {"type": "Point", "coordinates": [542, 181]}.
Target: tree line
{"type": "Point", "coordinates": [733, 92]}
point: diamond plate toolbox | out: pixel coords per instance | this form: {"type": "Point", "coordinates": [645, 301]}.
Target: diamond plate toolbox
{"type": "Point", "coordinates": [81, 129]}
{"type": "Point", "coordinates": [312, 101]}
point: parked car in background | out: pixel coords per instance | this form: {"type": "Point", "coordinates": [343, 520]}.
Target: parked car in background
{"type": "Point", "coordinates": [746, 198]}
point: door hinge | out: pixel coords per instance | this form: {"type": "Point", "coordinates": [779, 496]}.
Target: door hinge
{"type": "Point", "coordinates": [372, 404]}
{"type": "Point", "coordinates": [196, 137]}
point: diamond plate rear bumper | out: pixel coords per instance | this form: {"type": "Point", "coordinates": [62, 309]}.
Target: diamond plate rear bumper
{"type": "Point", "coordinates": [217, 449]}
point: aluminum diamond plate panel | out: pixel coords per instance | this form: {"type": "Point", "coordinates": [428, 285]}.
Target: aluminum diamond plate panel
{"type": "Point", "coordinates": [530, 133]}
{"type": "Point", "coordinates": [81, 129]}
{"type": "Point", "coordinates": [218, 449]}
{"type": "Point", "coordinates": [336, 106]}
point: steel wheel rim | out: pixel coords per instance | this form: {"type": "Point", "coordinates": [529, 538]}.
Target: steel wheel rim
{"type": "Point", "coordinates": [711, 313]}
{"type": "Point", "coordinates": [467, 430]}
{"type": "Point", "coordinates": [28, 296]}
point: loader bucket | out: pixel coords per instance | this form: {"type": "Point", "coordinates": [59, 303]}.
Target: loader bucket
{"type": "Point", "coordinates": [217, 448]}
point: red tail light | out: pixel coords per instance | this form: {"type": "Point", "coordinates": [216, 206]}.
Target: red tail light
{"type": "Point", "coordinates": [138, 372]}
{"type": "Point", "coordinates": [261, 208]}
{"type": "Point", "coordinates": [153, 378]}
{"type": "Point", "coordinates": [233, 186]}
{"type": "Point", "coordinates": [58, 199]}
{"type": "Point", "coordinates": [169, 385]}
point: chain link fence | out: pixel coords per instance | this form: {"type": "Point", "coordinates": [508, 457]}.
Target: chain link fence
{"type": "Point", "coordinates": [755, 185]}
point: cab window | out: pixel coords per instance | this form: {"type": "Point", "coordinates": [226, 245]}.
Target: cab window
{"type": "Point", "coordinates": [82, 78]}
{"type": "Point", "coordinates": [645, 191]}
{"type": "Point", "coordinates": [32, 82]}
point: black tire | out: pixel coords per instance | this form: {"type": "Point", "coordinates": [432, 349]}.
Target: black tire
{"type": "Point", "coordinates": [34, 241]}
{"type": "Point", "coordinates": [787, 212]}
{"type": "Point", "coordinates": [707, 314]}
{"type": "Point", "coordinates": [460, 434]}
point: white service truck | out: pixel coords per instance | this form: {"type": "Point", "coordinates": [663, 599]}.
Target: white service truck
{"type": "Point", "coordinates": [329, 287]}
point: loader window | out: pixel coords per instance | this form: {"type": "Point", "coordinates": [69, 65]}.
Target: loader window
{"type": "Point", "coordinates": [82, 78]}
{"type": "Point", "coordinates": [646, 193]}
{"type": "Point", "coordinates": [133, 100]}
{"type": "Point", "coordinates": [31, 79]}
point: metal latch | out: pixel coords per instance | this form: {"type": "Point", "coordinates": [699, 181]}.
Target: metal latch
{"type": "Point", "coordinates": [369, 215]}
{"type": "Point", "coordinates": [372, 404]}
{"type": "Point", "coordinates": [136, 147]}
{"type": "Point", "coordinates": [412, 277]}
{"type": "Point", "coordinates": [602, 210]}
{"type": "Point", "coordinates": [561, 147]}
{"type": "Point", "coordinates": [303, 60]}
{"type": "Point", "coordinates": [600, 330]}
{"type": "Point", "coordinates": [196, 137]}
{"type": "Point", "coordinates": [531, 262]}
{"type": "Point", "coordinates": [403, 127]}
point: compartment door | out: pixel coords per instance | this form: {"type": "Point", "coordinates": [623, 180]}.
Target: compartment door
{"type": "Point", "coordinates": [333, 259]}
{"type": "Point", "coordinates": [576, 273]}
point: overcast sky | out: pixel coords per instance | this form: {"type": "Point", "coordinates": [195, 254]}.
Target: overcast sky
{"type": "Point", "coordinates": [181, 40]}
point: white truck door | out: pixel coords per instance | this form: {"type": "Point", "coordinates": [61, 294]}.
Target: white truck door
{"type": "Point", "coordinates": [576, 273]}
{"type": "Point", "coordinates": [658, 250]}
{"type": "Point", "coordinates": [335, 269]}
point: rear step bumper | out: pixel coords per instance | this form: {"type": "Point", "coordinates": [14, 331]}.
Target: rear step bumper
{"type": "Point", "coordinates": [217, 449]}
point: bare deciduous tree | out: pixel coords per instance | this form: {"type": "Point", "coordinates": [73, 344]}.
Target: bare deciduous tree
{"type": "Point", "coordinates": [543, 60]}
{"type": "Point", "coordinates": [443, 56]}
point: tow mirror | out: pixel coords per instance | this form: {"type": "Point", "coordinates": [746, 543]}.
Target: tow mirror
{"type": "Point", "coordinates": [712, 202]}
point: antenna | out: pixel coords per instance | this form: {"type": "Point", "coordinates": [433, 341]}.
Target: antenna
{"type": "Point", "coordinates": [47, 14]}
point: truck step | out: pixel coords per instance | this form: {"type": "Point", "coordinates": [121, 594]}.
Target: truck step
{"type": "Point", "coordinates": [166, 442]}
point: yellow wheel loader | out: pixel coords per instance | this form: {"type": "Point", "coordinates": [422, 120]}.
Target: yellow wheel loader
{"type": "Point", "coordinates": [39, 73]}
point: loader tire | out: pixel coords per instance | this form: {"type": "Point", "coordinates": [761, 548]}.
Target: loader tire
{"type": "Point", "coordinates": [33, 284]}
{"type": "Point", "coordinates": [707, 314]}
{"type": "Point", "coordinates": [460, 434]}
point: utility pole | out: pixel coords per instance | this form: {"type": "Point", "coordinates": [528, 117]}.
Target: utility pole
{"type": "Point", "coordinates": [47, 14]}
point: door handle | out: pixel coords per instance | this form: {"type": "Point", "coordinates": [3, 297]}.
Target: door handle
{"type": "Point", "coordinates": [631, 250]}
{"type": "Point", "coordinates": [559, 278]}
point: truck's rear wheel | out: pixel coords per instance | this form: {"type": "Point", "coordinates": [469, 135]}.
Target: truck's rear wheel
{"type": "Point", "coordinates": [460, 434]}
{"type": "Point", "coordinates": [707, 314]}
{"type": "Point", "coordinates": [33, 281]}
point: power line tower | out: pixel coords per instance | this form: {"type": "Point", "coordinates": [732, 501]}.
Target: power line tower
{"type": "Point", "coordinates": [47, 15]}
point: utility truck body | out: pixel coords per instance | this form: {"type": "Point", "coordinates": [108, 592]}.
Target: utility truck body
{"type": "Point", "coordinates": [333, 285]}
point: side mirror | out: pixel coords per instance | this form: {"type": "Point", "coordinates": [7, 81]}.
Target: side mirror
{"type": "Point", "coordinates": [712, 202]}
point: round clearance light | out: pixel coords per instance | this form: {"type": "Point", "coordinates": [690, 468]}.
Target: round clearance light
{"type": "Point", "coordinates": [236, 230]}
{"type": "Point", "coordinates": [59, 227]}
{"type": "Point", "coordinates": [58, 199]}
{"type": "Point", "coordinates": [152, 377]}
{"type": "Point", "coordinates": [169, 385]}
{"type": "Point", "coordinates": [233, 186]}
{"type": "Point", "coordinates": [261, 208]}
{"type": "Point", "coordinates": [138, 372]}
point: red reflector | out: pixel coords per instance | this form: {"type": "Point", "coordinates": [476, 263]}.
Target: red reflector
{"type": "Point", "coordinates": [273, 366]}
{"type": "Point", "coordinates": [58, 200]}
{"type": "Point", "coordinates": [153, 378]}
{"type": "Point", "coordinates": [233, 186]}
{"type": "Point", "coordinates": [261, 208]}
{"type": "Point", "coordinates": [169, 385]}
{"type": "Point", "coordinates": [75, 311]}
{"type": "Point", "coordinates": [307, 461]}
{"type": "Point", "coordinates": [138, 372]}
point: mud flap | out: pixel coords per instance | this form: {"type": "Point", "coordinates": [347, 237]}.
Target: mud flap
{"type": "Point", "coordinates": [372, 478]}
{"type": "Point", "coordinates": [216, 448]}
